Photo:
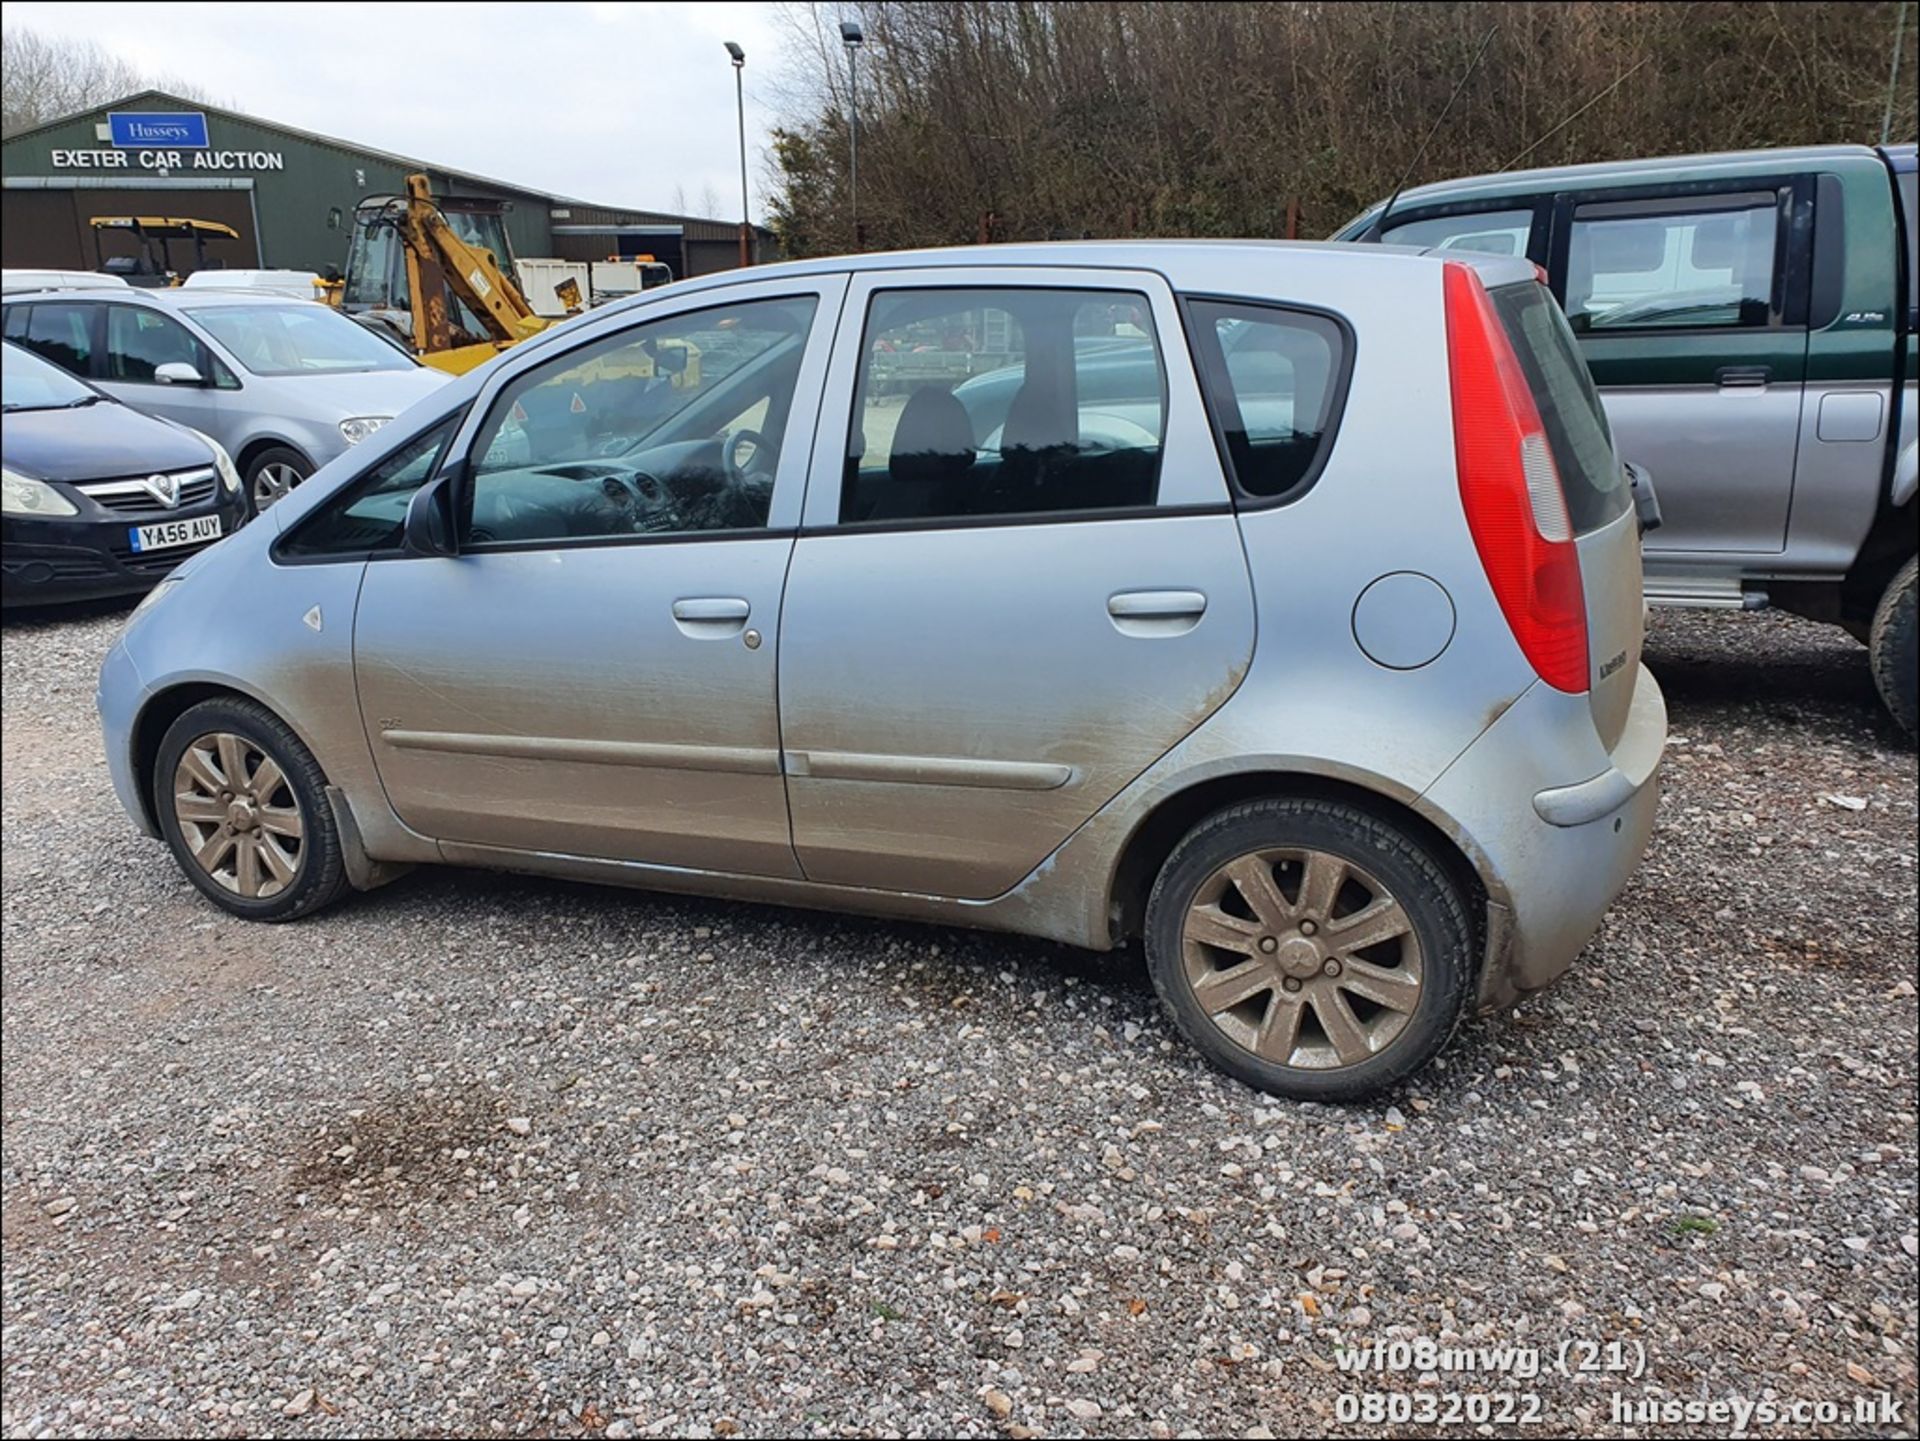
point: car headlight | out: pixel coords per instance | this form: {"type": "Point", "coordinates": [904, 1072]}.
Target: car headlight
{"type": "Point", "coordinates": [361, 426]}
{"type": "Point", "coordinates": [23, 495]}
{"type": "Point", "coordinates": [222, 462]}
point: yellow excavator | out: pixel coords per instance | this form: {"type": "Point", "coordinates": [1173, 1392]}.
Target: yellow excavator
{"type": "Point", "coordinates": [438, 281]}
{"type": "Point", "coordinates": [440, 293]}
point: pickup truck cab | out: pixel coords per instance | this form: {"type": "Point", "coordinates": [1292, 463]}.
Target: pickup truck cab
{"type": "Point", "coordinates": [1750, 322]}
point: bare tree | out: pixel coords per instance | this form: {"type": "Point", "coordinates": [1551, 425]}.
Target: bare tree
{"type": "Point", "coordinates": [1027, 119]}
{"type": "Point", "coordinates": [45, 77]}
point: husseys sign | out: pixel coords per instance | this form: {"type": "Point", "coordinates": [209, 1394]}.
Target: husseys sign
{"type": "Point", "coordinates": [162, 141]}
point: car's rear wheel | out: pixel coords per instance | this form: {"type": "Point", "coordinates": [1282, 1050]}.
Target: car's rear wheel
{"type": "Point", "coordinates": [1309, 948]}
{"type": "Point", "coordinates": [273, 473]}
{"type": "Point", "coordinates": [1893, 649]}
{"type": "Point", "coordinates": [243, 805]}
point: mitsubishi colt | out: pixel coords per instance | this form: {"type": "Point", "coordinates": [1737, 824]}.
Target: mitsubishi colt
{"type": "Point", "coordinates": [1275, 606]}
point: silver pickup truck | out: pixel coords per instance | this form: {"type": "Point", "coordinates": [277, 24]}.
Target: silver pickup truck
{"type": "Point", "coordinates": [1750, 320]}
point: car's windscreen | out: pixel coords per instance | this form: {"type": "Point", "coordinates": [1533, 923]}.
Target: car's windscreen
{"type": "Point", "coordinates": [1590, 474]}
{"type": "Point", "coordinates": [29, 383]}
{"type": "Point", "coordinates": [299, 338]}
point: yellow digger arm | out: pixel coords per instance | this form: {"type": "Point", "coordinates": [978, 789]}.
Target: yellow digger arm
{"type": "Point", "coordinates": [439, 260]}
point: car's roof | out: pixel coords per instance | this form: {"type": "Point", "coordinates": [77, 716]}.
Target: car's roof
{"type": "Point", "coordinates": [175, 297]}
{"type": "Point", "coordinates": [1642, 171]}
{"type": "Point", "coordinates": [1066, 254]}
{"type": "Point", "coordinates": [1184, 262]}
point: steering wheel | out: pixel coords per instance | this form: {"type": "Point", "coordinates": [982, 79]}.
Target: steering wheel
{"type": "Point", "coordinates": [738, 469]}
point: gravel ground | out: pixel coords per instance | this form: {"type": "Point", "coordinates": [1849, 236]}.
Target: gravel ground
{"type": "Point", "coordinates": [479, 1154]}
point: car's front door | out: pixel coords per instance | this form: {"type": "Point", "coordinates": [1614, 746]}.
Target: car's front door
{"type": "Point", "coordinates": [1690, 308]}
{"type": "Point", "coordinates": [1019, 583]}
{"type": "Point", "coordinates": [594, 673]}
{"type": "Point", "coordinates": [139, 340]}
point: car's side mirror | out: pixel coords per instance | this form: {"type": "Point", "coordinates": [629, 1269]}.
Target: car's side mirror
{"type": "Point", "coordinates": [430, 528]}
{"type": "Point", "coordinates": [178, 372]}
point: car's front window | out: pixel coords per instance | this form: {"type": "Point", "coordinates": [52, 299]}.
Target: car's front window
{"type": "Point", "coordinates": [30, 383]}
{"type": "Point", "coordinates": [671, 426]}
{"type": "Point", "coordinates": [298, 338]}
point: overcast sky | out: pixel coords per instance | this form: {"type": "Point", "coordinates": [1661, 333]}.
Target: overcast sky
{"type": "Point", "coordinates": [624, 104]}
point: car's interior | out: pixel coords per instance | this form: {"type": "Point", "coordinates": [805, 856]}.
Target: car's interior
{"type": "Point", "coordinates": [677, 431]}
{"type": "Point", "coordinates": [1056, 425]}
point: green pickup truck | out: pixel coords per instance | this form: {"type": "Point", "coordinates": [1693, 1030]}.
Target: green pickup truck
{"type": "Point", "coordinates": [1750, 321]}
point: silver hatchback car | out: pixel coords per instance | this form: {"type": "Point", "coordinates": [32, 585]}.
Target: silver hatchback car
{"type": "Point", "coordinates": [1277, 605]}
{"type": "Point", "coordinates": [283, 385]}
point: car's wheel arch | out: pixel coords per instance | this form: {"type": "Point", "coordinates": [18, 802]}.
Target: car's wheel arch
{"type": "Point", "coordinates": [166, 705]}
{"type": "Point", "coordinates": [1174, 814]}
{"type": "Point", "coordinates": [261, 444]}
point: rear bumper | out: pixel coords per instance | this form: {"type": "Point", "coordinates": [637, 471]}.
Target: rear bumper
{"type": "Point", "coordinates": [1552, 855]}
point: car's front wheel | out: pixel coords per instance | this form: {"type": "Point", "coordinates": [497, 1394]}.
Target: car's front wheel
{"type": "Point", "coordinates": [1309, 948]}
{"type": "Point", "coordinates": [273, 473]}
{"type": "Point", "coordinates": [243, 805]}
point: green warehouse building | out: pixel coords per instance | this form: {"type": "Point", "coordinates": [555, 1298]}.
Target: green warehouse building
{"type": "Point", "coordinates": [289, 193]}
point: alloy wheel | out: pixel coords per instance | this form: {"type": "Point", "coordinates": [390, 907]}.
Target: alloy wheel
{"type": "Point", "coordinates": [1302, 957]}
{"type": "Point", "coordinates": [238, 816]}
{"type": "Point", "coordinates": [272, 482]}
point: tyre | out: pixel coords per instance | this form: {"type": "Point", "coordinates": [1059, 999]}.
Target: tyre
{"type": "Point", "coordinates": [272, 473]}
{"type": "Point", "coordinates": [1309, 949]}
{"type": "Point", "coordinates": [1896, 669]}
{"type": "Point", "coordinates": [243, 805]}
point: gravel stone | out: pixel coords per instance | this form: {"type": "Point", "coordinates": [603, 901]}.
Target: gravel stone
{"type": "Point", "coordinates": [1709, 1126]}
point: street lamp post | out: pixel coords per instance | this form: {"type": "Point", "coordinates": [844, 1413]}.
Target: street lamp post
{"type": "Point", "coordinates": [740, 101]}
{"type": "Point", "coordinates": [851, 37]}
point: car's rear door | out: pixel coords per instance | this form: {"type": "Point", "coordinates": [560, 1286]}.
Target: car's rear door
{"type": "Point", "coordinates": [1019, 581]}
{"type": "Point", "coordinates": [66, 332]}
{"type": "Point", "coordinates": [1690, 305]}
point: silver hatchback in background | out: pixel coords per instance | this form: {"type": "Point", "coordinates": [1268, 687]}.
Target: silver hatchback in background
{"type": "Point", "coordinates": [1277, 606]}
{"type": "Point", "coordinates": [284, 385]}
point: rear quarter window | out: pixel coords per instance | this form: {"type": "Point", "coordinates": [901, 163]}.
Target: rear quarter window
{"type": "Point", "coordinates": [1275, 380]}
{"type": "Point", "coordinates": [1577, 430]}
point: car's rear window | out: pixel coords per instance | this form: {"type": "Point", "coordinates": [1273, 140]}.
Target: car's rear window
{"type": "Point", "coordinates": [1590, 473]}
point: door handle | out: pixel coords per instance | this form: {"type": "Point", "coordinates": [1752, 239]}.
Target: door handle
{"type": "Point", "coordinates": [706, 617]}
{"type": "Point", "coordinates": [1157, 605]}
{"type": "Point", "coordinates": [711, 608]}
{"type": "Point", "coordinates": [1743, 377]}
{"type": "Point", "coordinates": [1150, 613]}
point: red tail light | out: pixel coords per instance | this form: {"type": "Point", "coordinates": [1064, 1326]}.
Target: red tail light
{"type": "Point", "coordinates": [1510, 489]}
